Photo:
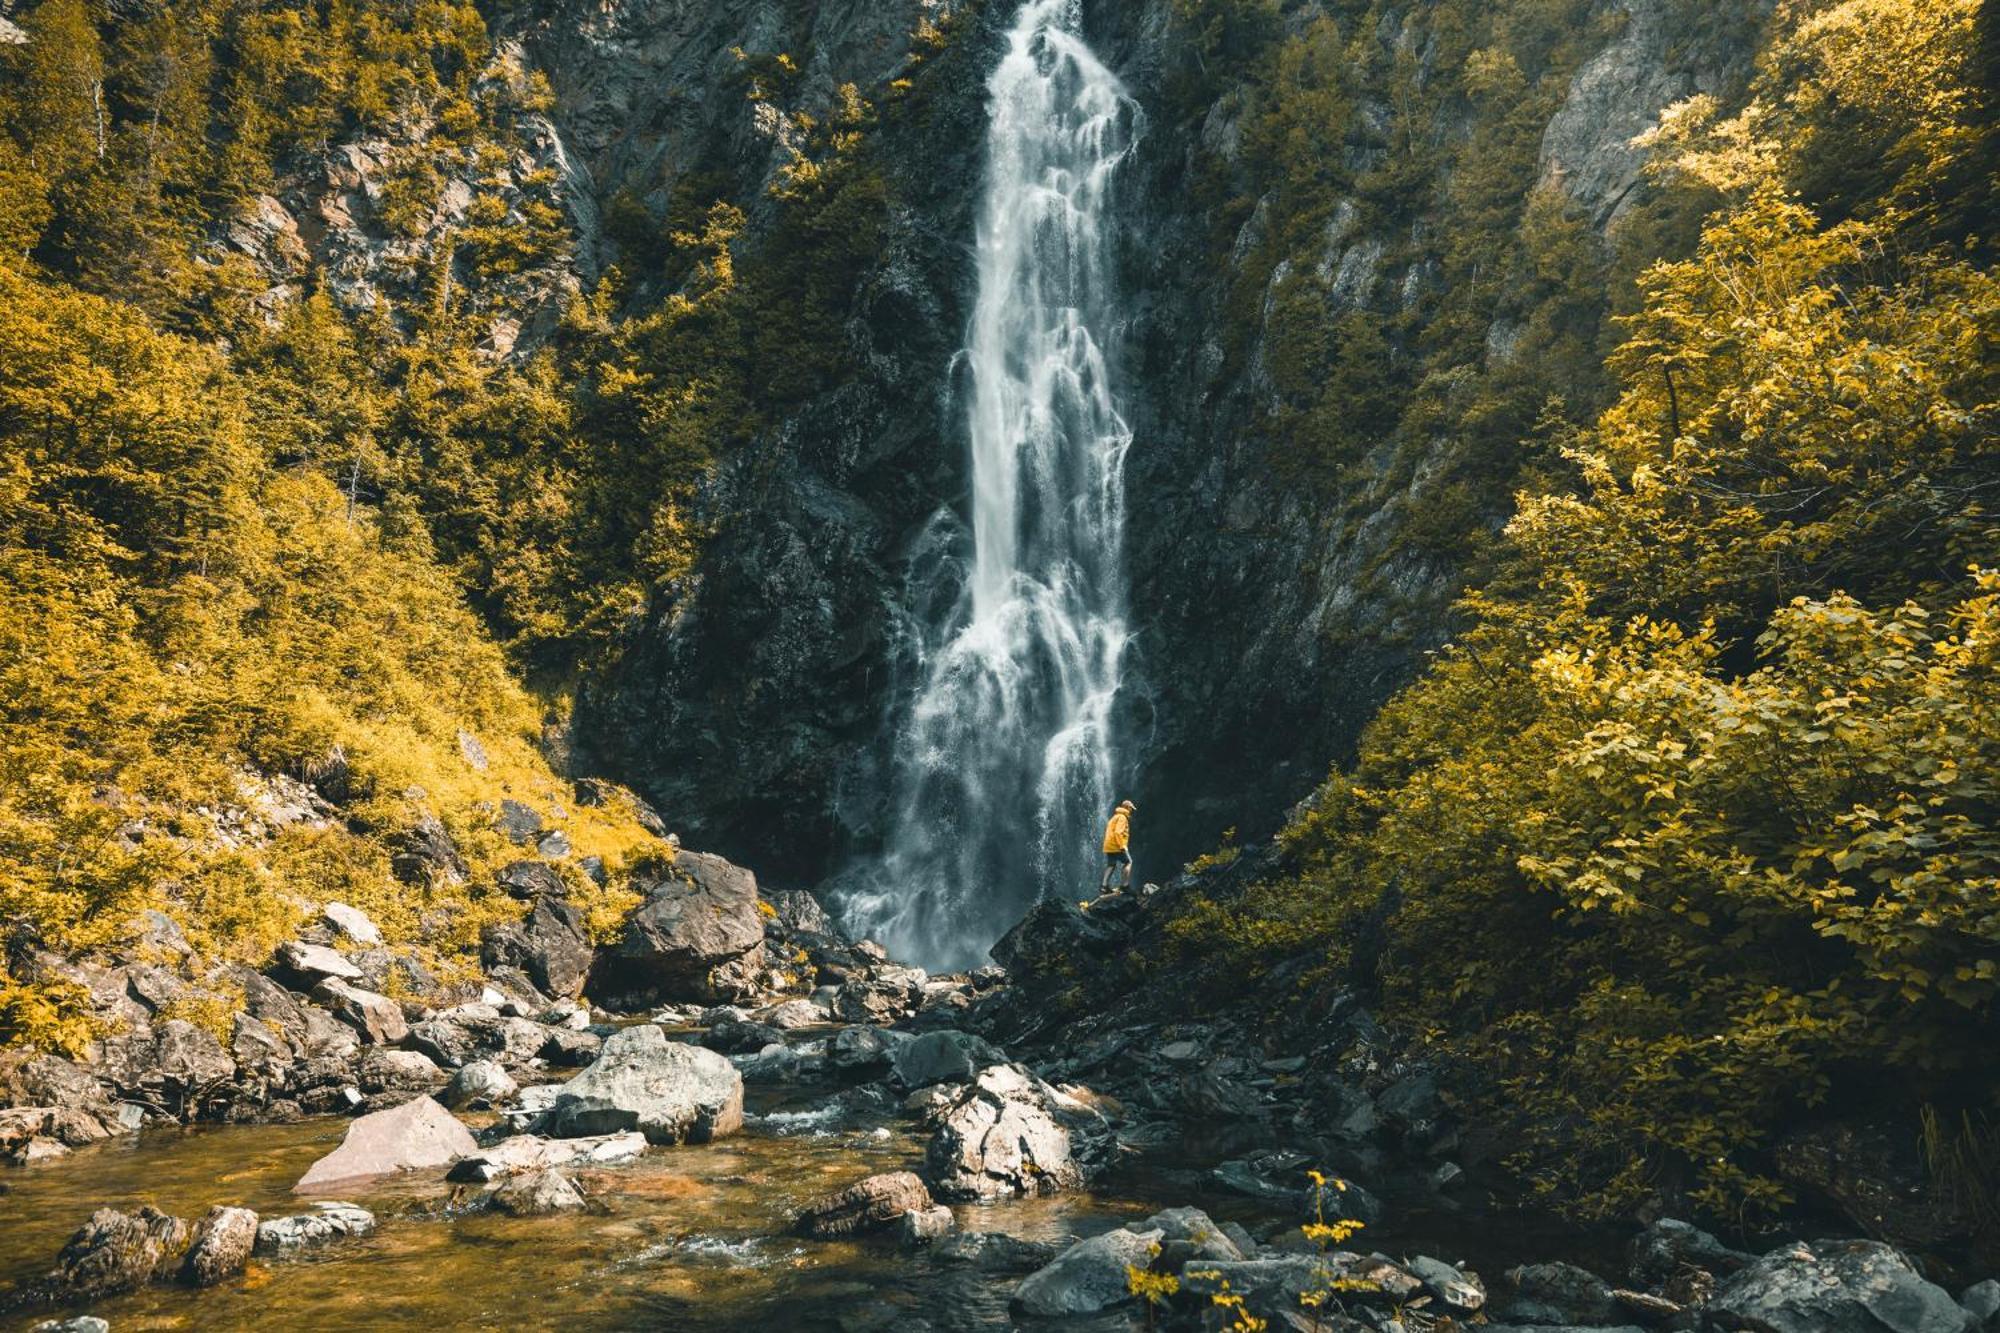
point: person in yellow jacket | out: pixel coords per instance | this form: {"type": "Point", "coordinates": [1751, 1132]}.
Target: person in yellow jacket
{"type": "Point", "coordinates": [1118, 847]}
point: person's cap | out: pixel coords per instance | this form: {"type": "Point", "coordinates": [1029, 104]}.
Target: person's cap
{"type": "Point", "coordinates": [1127, 805]}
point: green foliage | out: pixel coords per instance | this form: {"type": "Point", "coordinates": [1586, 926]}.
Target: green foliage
{"type": "Point", "coordinates": [1695, 828]}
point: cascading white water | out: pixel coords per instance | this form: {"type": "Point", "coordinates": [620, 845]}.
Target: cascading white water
{"type": "Point", "coordinates": [1004, 760]}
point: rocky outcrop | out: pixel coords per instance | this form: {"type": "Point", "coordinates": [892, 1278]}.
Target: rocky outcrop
{"type": "Point", "coordinates": [410, 1137]}
{"type": "Point", "coordinates": [668, 1091]}
{"type": "Point", "coordinates": [700, 914]}
{"type": "Point", "coordinates": [867, 1205]}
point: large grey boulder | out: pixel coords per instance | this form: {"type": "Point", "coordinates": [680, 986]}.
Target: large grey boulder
{"type": "Point", "coordinates": [376, 1019]}
{"type": "Point", "coordinates": [536, 1194]}
{"type": "Point", "coordinates": [866, 1205]}
{"type": "Point", "coordinates": [221, 1246]}
{"type": "Point", "coordinates": [863, 1050]}
{"type": "Point", "coordinates": [1087, 1277]}
{"type": "Point", "coordinates": [944, 1056]}
{"type": "Point", "coordinates": [416, 1135]}
{"type": "Point", "coordinates": [1004, 1134]}
{"type": "Point", "coordinates": [669, 1091]}
{"type": "Point", "coordinates": [480, 1083]}
{"type": "Point", "coordinates": [327, 1221]}
{"type": "Point", "coordinates": [1848, 1286]}
{"type": "Point", "coordinates": [699, 915]}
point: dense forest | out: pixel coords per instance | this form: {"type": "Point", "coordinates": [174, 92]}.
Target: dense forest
{"type": "Point", "coordinates": [1673, 822]}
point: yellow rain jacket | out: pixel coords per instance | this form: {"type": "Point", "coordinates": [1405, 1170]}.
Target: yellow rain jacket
{"type": "Point", "coordinates": [1119, 831]}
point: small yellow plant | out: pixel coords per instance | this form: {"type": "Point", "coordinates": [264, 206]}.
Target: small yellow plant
{"type": "Point", "coordinates": [1154, 1289]}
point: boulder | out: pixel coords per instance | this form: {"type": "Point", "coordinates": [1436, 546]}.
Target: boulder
{"type": "Point", "coordinates": [256, 1048]}
{"type": "Point", "coordinates": [83, 1323]}
{"type": "Point", "coordinates": [698, 915]}
{"type": "Point", "coordinates": [877, 1001]}
{"type": "Point", "coordinates": [1850, 1286]}
{"type": "Point", "coordinates": [1452, 1287]}
{"type": "Point", "coordinates": [551, 944]}
{"type": "Point", "coordinates": [530, 1152]}
{"type": "Point", "coordinates": [568, 1049]}
{"type": "Point", "coordinates": [478, 1084]}
{"type": "Point", "coordinates": [410, 1137]}
{"type": "Point", "coordinates": [924, 1225]}
{"type": "Point", "coordinates": [521, 823]}
{"type": "Point", "coordinates": [530, 880]}
{"type": "Point", "coordinates": [189, 1057]}
{"type": "Point", "coordinates": [327, 1221]}
{"type": "Point", "coordinates": [862, 1050]}
{"type": "Point", "coordinates": [867, 1205]}
{"type": "Point", "coordinates": [793, 1014]}
{"type": "Point", "coordinates": [536, 1194]}
{"type": "Point", "coordinates": [384, 1070]}
{"type": "Point", "coordinates": [376, 1019]}
{"type": "Point", "coordinates": [353, 923]}
{"type": "Point", "coordinates": [944, 1056]}
{"type": "Point", "coordinates": [117, 1252]}
{"type": "Point", "coordinates": [1665, 1246]}
{"type": "Point", "coordinates": [425, 854]}
{"type": "Point", "coordinates": [1001, 1136]}
{"type": "Point", "coordinates": [1189, 1235]}
{"type": "Point", "coordinates": [313, 963]}
{"type": "Point", "coordinates": [737, 1036]}
{"type": "Point", "coordinates": [221, 1246]}
{"type": "Point", "coordinates": [669, 1091]}
{"type": "Point", "coordinates": [1087, 1277]}
{"type": "Point", "coordinates": [798, 910]}
{"type": "Point", "coordinates": [1558, 1293]}
{"type": "Point", "coordinates": [1983, 1300]}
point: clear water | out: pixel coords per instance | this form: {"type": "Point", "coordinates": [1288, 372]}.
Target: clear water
{"type": "Point", "coordinates": [694, 1238]}
{"type": "Point", "coordinates": [1005, 759]}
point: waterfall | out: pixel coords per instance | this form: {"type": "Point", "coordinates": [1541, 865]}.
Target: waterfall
{"type": "Point", "coordinates": [1004, 763]}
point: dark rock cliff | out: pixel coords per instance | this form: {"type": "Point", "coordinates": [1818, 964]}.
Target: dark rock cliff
{"type": "Point", "coordinates": [1272, 620]}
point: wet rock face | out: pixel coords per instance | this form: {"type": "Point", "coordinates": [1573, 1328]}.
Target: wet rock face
{"type": "Point", "coordinates": [668, 1091]}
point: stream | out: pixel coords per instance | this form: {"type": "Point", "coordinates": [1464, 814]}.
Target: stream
{"type": "Point", "coordinates": [691, 1237]}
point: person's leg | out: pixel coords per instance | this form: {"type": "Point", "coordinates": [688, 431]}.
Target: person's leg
{"type": "Point", "coordinates": [1104, 881]}
{"type": "Point", "coordinates": [1125, 870]}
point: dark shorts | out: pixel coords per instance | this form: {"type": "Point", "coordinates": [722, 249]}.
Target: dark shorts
{"type": "Point", "coordinates": [1118, 858]}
